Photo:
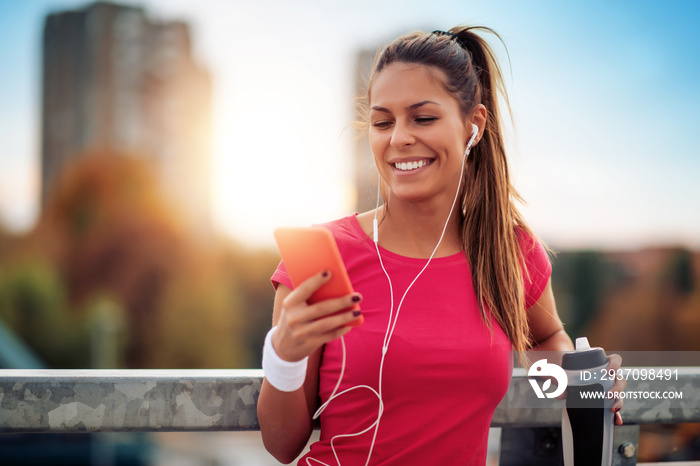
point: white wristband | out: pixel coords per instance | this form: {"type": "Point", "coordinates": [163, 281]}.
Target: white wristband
{"type": "Point", "coordinates": [284, 375]}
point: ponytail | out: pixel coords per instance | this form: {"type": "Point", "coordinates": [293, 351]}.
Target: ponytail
{"type": "Point", "coordinates": [491, 222]}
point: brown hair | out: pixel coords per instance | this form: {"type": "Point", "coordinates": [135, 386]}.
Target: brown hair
{"type": "Point", "coordinates": [490, 223]}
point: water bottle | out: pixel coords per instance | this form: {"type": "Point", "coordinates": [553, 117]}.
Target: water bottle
{"type": "Point", "coordinates": [587, 420]}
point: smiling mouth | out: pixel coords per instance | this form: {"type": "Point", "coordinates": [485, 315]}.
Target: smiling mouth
{"type": "Point", "coordinates": [408, 166]}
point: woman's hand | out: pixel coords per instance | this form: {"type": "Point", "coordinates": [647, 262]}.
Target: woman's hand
{"type": "Point", "coordinates": [286, 417]}
{"type": "Point", "coordinates": [614, 363]}
{"type": "Point", "coordinates": [302, 327]}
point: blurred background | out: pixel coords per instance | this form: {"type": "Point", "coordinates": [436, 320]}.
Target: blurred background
{"type": "Point", "coordinates": [148, 149]}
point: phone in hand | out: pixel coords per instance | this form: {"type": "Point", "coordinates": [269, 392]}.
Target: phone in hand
{"type": "Point", "coordinates": [307, 251]}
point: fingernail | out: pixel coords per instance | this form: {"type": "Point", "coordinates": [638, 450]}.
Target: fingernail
{"type": "Point", "coordinates": [356, 298]}
{"type": "Point", "coordinates": [356, 313]}
{"type": "Point", "coordinates": [325, 274]}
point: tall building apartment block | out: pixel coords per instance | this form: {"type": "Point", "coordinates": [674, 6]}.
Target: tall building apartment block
{"type": "Point", "coordinates": [115, 79]}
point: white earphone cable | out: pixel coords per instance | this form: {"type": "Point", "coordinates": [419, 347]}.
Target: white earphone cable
{"type": "Point", "coordinates": [391, 325]}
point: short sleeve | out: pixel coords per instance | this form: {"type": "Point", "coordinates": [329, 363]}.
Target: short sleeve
{"type": "Point", "coordinates": [537, 270]}
{"type": "Point", "coordinates": [337, 228]}
{"type": "Point", "coordinates": [281, 277]}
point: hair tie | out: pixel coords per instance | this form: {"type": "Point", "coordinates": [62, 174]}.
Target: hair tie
{"type": "Point", "coordinates": [451, 35]}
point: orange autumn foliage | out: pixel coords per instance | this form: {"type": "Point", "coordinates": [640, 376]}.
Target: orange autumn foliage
{"type": "Point", "coordinates": [110, 232]}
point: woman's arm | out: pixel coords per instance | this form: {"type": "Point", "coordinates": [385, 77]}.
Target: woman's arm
{"type": "Point", "coordinates": [546, 328]}
{"type": "Point", "coordinates": [286, 417]}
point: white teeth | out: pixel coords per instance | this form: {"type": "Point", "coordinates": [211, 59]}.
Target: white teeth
{"type": "Point", "coordinates": [411, 165]}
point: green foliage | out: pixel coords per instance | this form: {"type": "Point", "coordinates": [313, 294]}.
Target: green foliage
{"type": "Point", "coordinates": [580, 280]}
{"type": "Point", "coordinates": [248, 278]}
{"type": "Point", "coordinates": [108, 332]}
{"type": "Point", "coordinates": [34, 307]}
{"type": "Point", "coordinates": [679, 275]}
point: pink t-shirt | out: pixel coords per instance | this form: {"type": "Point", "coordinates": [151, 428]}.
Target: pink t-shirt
{"type": "Point", "coordinates": [444, 372]}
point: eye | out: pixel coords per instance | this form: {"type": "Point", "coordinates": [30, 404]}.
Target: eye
{"type": "Point", "coordinates": [425, 120]}
{"type": "Point", "coordinates": [381, 124]}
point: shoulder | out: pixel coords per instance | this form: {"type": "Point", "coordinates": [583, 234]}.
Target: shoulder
{"type": "Point", "coordinates": [355, 246]}
{"type": "Point", "coordinates": [346, 230]}
{"type": "Point", "coordinates": [536, 265]}
{"type": "Point", "coordinates": [339, 225]}
{"type": "Point", "coordinates": [531, 246]}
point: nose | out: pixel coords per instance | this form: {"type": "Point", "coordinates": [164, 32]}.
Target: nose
{"type": "Point", "coordinates": [402, 135]}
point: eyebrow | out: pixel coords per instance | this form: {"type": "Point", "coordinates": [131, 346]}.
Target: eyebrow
{"type": "Point", "coordinates": [410, 107]}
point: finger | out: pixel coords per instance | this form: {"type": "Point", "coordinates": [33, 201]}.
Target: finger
{"type": "Point", "coordinates": [337, 333]}
{"type": "Point", "coordinates": [563, 395]}
{"type": "Point", "coordinates": [617, 405]}
{"type": "Point", "coordinates": [614, 361]}
{"type": "Point", "coordinates": [319, 339]}
{"type": "Point", "coordinates": [321, 318]}
{"type": "Point", "coordinates": [334, 321]}
{"type": "Point", "coordinates": [292, 344]}
{"type": "Point", "coordinates": [305, 314]}
{"type": "Point", "coordinates": [618, 419]}
{"type": "Point", "coordinates": [303, 292]}
{"type": "Point", "coordinates": [331, 306]}
{"type": "Point", "coordinates": [323, 330]}
{"type": "Point", "coordinates": [619, 386]}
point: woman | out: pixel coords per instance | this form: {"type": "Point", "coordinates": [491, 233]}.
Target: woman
{"type": "Point", "coordinates": [449, 277]}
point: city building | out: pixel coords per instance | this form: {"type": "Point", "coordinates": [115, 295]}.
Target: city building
{"type": "Point", "coordinates": [114, 79]}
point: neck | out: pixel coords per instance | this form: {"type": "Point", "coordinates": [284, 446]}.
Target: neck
{"type": "Point", "coordinates": [414, 229]}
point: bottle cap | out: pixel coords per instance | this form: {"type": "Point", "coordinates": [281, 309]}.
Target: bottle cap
{"type": "Point", "coordinates": [584, 357]}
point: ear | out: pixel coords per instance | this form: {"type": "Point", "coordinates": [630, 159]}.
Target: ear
{"type": "Point", "coordinates": [478, 117]}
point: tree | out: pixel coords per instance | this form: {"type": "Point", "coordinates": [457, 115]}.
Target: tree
{"type": "Point", "coordinates": [110, 232]}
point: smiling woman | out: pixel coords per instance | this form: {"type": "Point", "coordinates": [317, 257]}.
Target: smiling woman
{"type": "Point", "coordinates": [447, 252]}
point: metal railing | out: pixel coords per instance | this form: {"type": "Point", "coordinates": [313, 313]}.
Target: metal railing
{"type": "Point", "coordinates": [72, 401]}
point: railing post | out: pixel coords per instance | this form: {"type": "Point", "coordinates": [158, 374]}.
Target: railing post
{"type": "Point", "coordinates": [625, 445]}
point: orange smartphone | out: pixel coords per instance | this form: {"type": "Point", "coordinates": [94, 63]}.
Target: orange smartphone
{"type": "Point", "coordinates": [308, 251]}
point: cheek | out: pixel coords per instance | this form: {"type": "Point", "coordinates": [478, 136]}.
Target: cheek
{"type": "Point", "coordinates": [377, 144]}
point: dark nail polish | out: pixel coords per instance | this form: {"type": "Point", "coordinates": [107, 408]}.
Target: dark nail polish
{"type": "Point", "coordinates": [325, 274]}
{"type": "Point", "coordinates": [356, 313]}
{"type": "Point", "coordinates": [356, 298]}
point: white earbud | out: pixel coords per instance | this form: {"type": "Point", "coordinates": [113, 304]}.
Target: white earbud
{"type": "Point", "coordinates": [475, 132]}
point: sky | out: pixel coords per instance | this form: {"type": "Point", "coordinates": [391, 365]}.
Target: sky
{"type": "Point", "coordinates": [605, 99]}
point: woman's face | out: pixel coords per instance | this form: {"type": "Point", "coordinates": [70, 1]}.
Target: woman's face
{"type": "Point", "coordinates": [417, 132]}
